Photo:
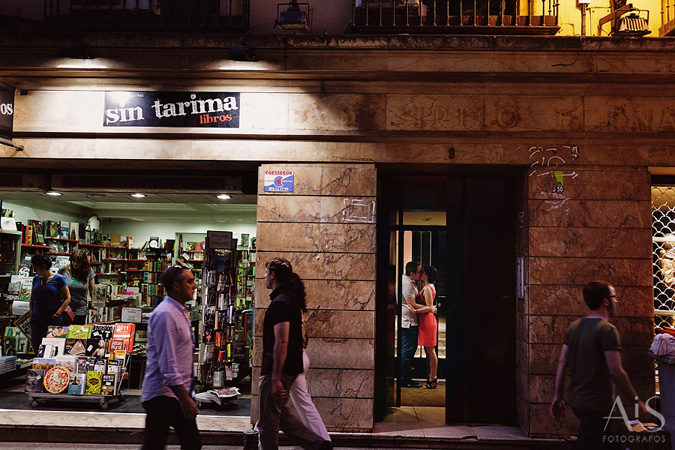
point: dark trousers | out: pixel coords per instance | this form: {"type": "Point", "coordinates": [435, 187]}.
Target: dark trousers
{"type": "Point", "coordinates": [592, 431]}
{"type": "Point", "coordinates": [38, 330]}
{"type": "Point", "coordinates": [408, 349]}
{"type": "Point", "coordinates": [274, 415]}
{"type": "Point", "coordinates": [79, 320]}
{"type": "Point", "coordinates": [162, 413]}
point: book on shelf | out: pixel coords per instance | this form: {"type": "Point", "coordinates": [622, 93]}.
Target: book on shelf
{"type": "Point", "coordinates": [124, 332]}
{"type": "Point", "coordinates": [79, 332]}
{"type": "Point", "coordinates": [57, 331]}
{"type": "Point", "coordinates": [100, 365]}
{"type": "Point", "coordinates": [75, 347]}
{"type": "Point", "coordinates": [51, 347]}
{"type": "Point", "coordinates": [114, 366]}
{"type": "Point", "coordinates": [77, 383]}
{"type": "Point", "coordinates": [43, 363]}
{"type": "Point", "coordinates": [102, 331]}
{"type": "Point", "coordinates": [67, 361]}
{"type": "Point", "coordinates": [108, 382]}
{"type": "Point", "coordinates": [96, 347]}
{"type": "Point", "coordinates": [64, 230]}
{"type": "Point", "coordinates": [34, 378]}
{"type": "Point", "coordinates": [93, 383]}
{"type": "Point", "coordinates": [84, 364]}
{"type": "Point", "coordinates": [51, 228]}
{"type": "Point", "coordinates": [38, 234]}
{"type": "Point", "coordinates": [74, 231]}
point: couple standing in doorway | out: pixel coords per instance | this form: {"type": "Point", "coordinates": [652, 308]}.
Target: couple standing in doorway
{"type": "Point", "coordinates": [418, 322]}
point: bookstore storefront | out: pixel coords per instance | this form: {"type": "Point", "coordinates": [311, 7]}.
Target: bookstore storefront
{"type": "Point", "coordinates": [340, 171]}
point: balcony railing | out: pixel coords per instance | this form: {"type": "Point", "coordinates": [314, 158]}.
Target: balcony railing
{"type": "Point", "coordinates": [667, 18]}
{"type": "Point", "coordinates": [456, 16]}
{"type": "Point", "coordinates": [157, 15]}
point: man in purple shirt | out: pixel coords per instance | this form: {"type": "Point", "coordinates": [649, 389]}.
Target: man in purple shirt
{"type": "Point", "coordinates": [167, 386]}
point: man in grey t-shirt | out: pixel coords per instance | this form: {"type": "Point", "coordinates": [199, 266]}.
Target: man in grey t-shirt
{"type": "Point", "coordinates": [409, 322]}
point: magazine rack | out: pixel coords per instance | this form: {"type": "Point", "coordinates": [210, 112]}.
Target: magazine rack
{"type": "Point", "coordinates": [37, 398]}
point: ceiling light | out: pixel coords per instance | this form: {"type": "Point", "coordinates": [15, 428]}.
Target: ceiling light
{"type": "Point", "coordinates": [138, 195]}
{"type": "Point", "coordinates": [53, 193]}
{"type": "Point", "coordinates": [223, 197]}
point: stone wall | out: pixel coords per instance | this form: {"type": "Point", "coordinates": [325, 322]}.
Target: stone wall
{"type": "Point", "coordinates": [598, 227]}
{"type": "Point", "coordinates": [326, 228]}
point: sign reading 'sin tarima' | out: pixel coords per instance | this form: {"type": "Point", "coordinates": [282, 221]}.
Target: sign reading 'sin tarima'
{"type": "Point", "coordinates": [171, 109]}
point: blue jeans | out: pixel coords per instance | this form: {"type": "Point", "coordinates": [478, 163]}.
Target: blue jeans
{"type": "Point", "coordinates": [408, 349]}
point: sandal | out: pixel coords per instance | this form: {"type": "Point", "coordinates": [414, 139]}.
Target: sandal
{"type": "Point", "coordinates": [431, 384]}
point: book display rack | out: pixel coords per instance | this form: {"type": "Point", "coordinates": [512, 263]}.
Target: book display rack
{"type": "Point", "coordinates": [224, 348]}
{"type": "Point", "coordinates": [81, 362]}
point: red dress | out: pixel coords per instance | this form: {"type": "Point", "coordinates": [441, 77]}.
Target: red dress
{"type": "Point", "coordinates": [427, 323]}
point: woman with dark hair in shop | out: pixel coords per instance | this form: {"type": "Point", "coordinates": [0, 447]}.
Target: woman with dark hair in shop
{"type": "Point", "coordinates": [80, 278]}
{"type": "Point", "coordinates": [299, 393]}
{"type": "Point", "coordinates": [428, 324]}
{"type": "Point", "coordinates": [48, 299]}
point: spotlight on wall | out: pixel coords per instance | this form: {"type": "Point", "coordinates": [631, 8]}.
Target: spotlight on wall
{"type": "Point", "coordinates": [53, 193]}
{"type": "Point", "coordinates": [223, 197]}
{"type": "Point", "coordinates": [295, 18]}
{"type": "Point", "coordinates": [74, 50]}
{"type": "Point", "coordinates": [138, 195]}
{"type": "Point", "coordinates": [241, 53]}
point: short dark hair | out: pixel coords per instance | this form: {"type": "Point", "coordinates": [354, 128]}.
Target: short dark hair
{"type": "Point", "coordinates": [595, 292]}
{"type": "Point", "coordinates": [411, 267]}
{"type": "Point", "coordinates": [42, 261]}
{"type": "Point", "coordinates": [431, 272]}
{"type": "Point", "coordinates": [281, 267]}
{"type": "Point", "coordinates": [172, 275]}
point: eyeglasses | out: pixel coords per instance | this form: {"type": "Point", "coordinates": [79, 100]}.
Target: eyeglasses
{"type": "Point", "coordinates": [615, 297]}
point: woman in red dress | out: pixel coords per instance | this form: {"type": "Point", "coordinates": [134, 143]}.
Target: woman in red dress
{"type": "Point", "coordinates": [428, 325]}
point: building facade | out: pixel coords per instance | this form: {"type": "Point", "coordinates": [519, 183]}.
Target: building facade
{"type": "Point", "coordinates": [537, 151]}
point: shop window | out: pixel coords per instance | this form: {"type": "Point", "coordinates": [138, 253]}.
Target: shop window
{"type": "Point", "coordinates": [663, 246]}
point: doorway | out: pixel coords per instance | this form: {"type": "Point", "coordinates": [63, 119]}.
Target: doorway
{"type": "Point", "coordinates": [464, 225]}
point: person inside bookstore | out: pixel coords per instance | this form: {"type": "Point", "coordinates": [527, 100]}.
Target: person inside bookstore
{"type": "Point", "coordinates": [80, 278]}
{"type": "Point", "coordinates": [428, 325]}
{"type": "Point", "coordinates": [49, 298]}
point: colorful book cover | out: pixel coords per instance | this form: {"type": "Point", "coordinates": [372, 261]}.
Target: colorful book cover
{"type": "Point", "coordinates": [79, 332]}
{"type": "Point", "coordinates": [75, 347]}
{"type": "Point", "coordinates": [98, 348]}
{"type": "Point", "coordinates": [77, 383]}
{"type": "Point", "coordinates": [54, 331]}
{"type": "Point", "coordinates": [43, 363]}
{"type": "Point", "coordinates": [64, 230]}
{"type": "Point", "coordinates": [114, 366]}
{"type": "Point", "coordinates": [102, 331]}
{"type": "Point", "coordinates": [67, 361]}
{"type": "Point", "coordinates": [108, 382]}
{"type": "Point", "coordinates": [100, 365]}
{"type": "Point", "coordinates": [93, 383]}
{"type": "Point", "coordinates": [125, 332]}
{"type": "Point", "coordinates": [34, 379]}
{"type": "Point", "coordinates": [58, 344]}
{"type": "Point", "coordinates": [38, 235]}
{"type": "Point", "coordinates": [84, 364]}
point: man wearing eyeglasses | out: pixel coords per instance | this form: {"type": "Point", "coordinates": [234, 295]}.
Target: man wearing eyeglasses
{"type": "Point", "coordinates": [591, 351]}
{"type": "Point", "coordinates": [409, 329]}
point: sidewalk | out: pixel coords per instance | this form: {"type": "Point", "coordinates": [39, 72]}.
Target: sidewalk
{"type": "Point", "coordinates": [409, 427]}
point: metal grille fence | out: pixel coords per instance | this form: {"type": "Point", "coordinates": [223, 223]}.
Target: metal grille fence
{"type": "Point", "coordinates": [663, 238]}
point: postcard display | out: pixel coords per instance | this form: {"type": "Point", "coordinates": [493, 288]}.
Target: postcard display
{"type": "Point", "coordinates": [224, 347]}
{"type": "Point", "coordinates": [86, 362]}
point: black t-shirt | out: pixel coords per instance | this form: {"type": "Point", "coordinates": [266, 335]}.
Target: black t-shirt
{"type": "Point", "coordinates": [285, 307]}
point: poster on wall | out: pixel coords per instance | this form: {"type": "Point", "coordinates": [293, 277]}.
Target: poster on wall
{"type": "Point", "coordinates": [6, 114]}
{"type": "Point", "coordinates": [171, 109]}
{"type": "Point", "coordinates": [278, 181]}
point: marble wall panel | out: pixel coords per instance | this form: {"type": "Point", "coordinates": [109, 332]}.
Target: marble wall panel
{"type": "Point", "coordinates": [327, 294]}
{"type": "Point", "coordinates": [315, 209]}
{"type": "Point", "coordinates": [567, 300]}
{"type": "Point", "coordinates": [544, 358]}
{"type": "Point", "coordinates": [636, 361]}
{"type": "Point", "coordinates": [316, 237]}
{"type": "Point", "coordinates": [626, 183]}
{"type": "Point", "coordinates": [523, 414]}
{"type": "Point", "coordinates": [523, 380]}
{"type": "Point", "coordinates": [541, 388]}
{"type": "Point", "coordinates": [340, 383]}
{"type": "Point", "coordinates": [332, 353]}
{"type": "Point", "coordinates": [549, 329]}
{"type": "Point", "coordinates": [589, 213]}
{"type": "Point", "coordinates": [621, 114]}
{"type": "Point", "coordinates": [579, 271]}
{"type": "Point", "coordinates": [330, 266]}
{"type": "Point", "coordinates": [336, 112]}
{"type": "Point", "coordinates": [328, 179]}
{"type": "Point", "coordinates": [591, 242]}
{"type": "Point", "coordinates": [331, 324]}
{"type": "Point", "coordinates": [634, 331]}
{"type": "Point", "coordinates": [56, 110]}
{"type": "Point", "coordinates": [435, 112]}
{"type": "Point", "coordinates": [533, 113]}
{"type": "Point", "coordinates": [346, 414]}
